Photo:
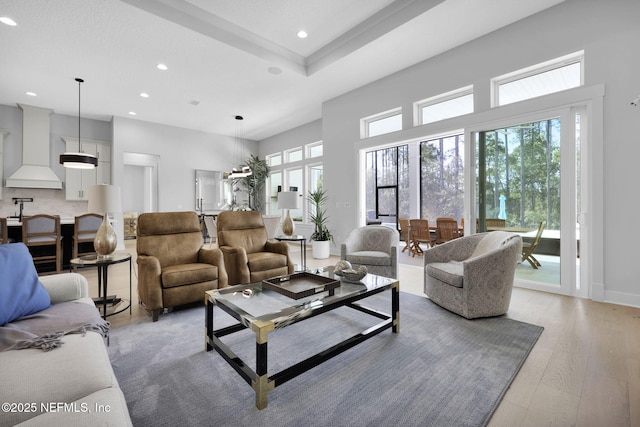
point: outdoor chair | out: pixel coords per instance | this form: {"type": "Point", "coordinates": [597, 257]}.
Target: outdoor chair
{"type": "Point", "coordinates": [404, 233]}
{"type": "Point", "coordinates": [446, 230]}
{"type": "Point", "coordinates": [529, 247]}
{"type": "Point", "coordinates": [420, 234]}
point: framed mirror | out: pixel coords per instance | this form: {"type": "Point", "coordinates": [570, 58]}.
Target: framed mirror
{"type": "Point", "coordinates": [212, 191]}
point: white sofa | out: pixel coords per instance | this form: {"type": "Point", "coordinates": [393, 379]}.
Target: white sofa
{"type": "Point", "coordinates": [72, 385]}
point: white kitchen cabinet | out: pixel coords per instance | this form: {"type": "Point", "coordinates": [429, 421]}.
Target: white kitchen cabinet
{"type": "Point", "coordinates": [77, 181]}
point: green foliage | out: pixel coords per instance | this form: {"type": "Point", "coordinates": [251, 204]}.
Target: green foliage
{"type": "Point", "coordinates": [318, 216]}
{"type": "Point", "coordinates": [254, 184]}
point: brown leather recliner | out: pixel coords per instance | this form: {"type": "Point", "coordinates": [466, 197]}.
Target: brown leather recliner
{"type": "Point", "coordinates": [173, 266]}
{"type": "Point", "coordinates": [248, 256]}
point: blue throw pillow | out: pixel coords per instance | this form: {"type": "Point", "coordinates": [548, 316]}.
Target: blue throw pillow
{"type": "Point", "coordinates": [21, 293]}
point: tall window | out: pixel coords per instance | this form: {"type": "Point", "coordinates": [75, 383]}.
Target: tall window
{"type": "Point", "coordinates": [387, 184]}
{"type": "Point", "coordinates": [442, 178]}
{"type": "Point", "coordinates": [522, 174]}
{"type": "Point", "coordinates": [298, 168]}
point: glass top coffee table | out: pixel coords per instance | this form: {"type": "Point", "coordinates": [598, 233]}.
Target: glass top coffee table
{"type": "Point", "coordinates": [264, 310]}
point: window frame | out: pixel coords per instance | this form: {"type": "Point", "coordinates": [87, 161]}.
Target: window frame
{"type": "Point", "coordinates": [418, 106]}
{"type": "Point", "coordinates": [365, 122]}
{"type": "Point", "coordinates": [540, 68]}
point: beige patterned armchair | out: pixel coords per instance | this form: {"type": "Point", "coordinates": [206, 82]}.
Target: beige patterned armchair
{"type": "Point", "coordinates": [375, 247]}
{"type": "Point", "coordinates": [473, 275]}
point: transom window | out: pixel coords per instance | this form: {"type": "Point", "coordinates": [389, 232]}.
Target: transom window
{"type": "Point", "coordinates": [541, 79]}
{"type": "Point", "coordinates": [379, 124]}
{"type": "Point", "coordinates": [444, 106]}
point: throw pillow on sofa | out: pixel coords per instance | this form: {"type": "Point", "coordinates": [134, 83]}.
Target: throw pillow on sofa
{"type": "Point", "coordinates": [21, 292]}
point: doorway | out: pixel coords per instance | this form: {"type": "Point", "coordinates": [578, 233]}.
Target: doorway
{"type": "Point", "coordinates": [140, 194]}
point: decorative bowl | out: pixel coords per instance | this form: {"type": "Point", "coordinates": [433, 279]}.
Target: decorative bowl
{"type": "Point", "coordinates": [354, 276]}
{"type": "Point", "coordinates": [341, 266]}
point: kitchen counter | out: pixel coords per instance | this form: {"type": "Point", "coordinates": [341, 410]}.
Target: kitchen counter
{"type": "Point", "coordinates": [15, 222]}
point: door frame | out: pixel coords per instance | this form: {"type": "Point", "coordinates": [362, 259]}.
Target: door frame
{"type": "Point", "coordinates": [589, 102]}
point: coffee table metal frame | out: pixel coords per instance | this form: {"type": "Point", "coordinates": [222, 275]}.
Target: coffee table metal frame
{"type": "Point", "coordinates": [259, 379]}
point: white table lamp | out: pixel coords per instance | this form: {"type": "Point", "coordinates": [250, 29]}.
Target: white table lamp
{"type": "Point", "coordinates": [288, 200]}
{"type": "Point", "coordinates": [104, 199]}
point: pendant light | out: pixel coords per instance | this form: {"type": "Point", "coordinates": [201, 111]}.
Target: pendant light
{"type": "Point", "coordinates": [78, 160]}
{"type": "Point", "coordinates": [239, 171]}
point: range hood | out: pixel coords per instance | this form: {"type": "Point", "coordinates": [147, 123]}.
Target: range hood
{"type": "Point", "coordinates": [35, 171]}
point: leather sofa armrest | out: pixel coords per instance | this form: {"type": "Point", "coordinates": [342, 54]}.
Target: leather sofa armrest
{"type": "Point", "coordinates": [283, 249]}
{"type": "Point", "coordinates": [150, 281]}
{"type": "Point", "coordinates": [65, 287]}
{"type": "Point", "coordinates": [214, 256]}
{"type": "Point", "coordinates": [236, 264]}
{"type": "Point", "coordinates": [277, 247]}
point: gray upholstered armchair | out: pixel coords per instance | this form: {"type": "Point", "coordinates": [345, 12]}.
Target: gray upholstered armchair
{"type": "Point", "coordinates": [375, 247]}
{"type": "Point", "coordinates": [473, 275]}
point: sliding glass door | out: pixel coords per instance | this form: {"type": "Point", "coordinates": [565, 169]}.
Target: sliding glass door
{"type": "Point", "coordinates": [527, 180]}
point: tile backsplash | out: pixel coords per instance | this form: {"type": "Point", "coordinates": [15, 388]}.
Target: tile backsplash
{"type": "Point", "coordinates": [50, 202]}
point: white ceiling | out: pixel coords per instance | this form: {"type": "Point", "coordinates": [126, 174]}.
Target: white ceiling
{"type": "Point", "coordinates": [219, 53]}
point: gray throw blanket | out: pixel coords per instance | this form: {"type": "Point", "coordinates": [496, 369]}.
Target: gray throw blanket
{"type": "Point", "coordinates": [45, 329]}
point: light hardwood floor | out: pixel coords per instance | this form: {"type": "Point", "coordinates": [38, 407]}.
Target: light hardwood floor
{"type": "Point", "coordinates": [583, 371]}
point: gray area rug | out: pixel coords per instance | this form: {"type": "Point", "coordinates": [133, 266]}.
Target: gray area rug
{"type": "Point", "coordinates": [440, 370]}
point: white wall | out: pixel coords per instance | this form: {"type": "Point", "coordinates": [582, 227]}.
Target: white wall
{"type": "Point", "coordinates": [45, 200]}
{"type": "Point", "coordinates": [608, 32]}
{"type": "Point", "coordinates": [181, 152]}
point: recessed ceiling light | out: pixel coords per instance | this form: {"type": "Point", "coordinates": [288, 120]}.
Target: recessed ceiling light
{"type": "Point", "coordinates": [8, 21]}
{"type": "Point", "coordinates": [302, 34]}
{"type": "Point", "coordinates": [274, 70]}
{"type": "Point", "coordinates": [132, 113]}
{"type": "Point", "coordinates": [31, 93]}
{"type": "Point", "coordinates": [162, 67]}
{"type": "Point", "coordinates": [144, 95]}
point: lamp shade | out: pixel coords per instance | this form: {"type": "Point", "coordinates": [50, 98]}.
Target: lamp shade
{"type": "Point", "coordinates": [104, 199]}
{"type": "Point", "coordinates": [288, 200]}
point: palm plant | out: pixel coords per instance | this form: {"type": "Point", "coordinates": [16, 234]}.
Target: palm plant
{"type": "Point", "coordinates": [255, 182]}
{"type": "Point", "coordinates": [318, 216]}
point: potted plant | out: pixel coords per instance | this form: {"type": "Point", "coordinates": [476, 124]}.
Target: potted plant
{"type": "Point", "coordinates": [321, 237]}
{"type": "Point", "coordinates": [254, 183]}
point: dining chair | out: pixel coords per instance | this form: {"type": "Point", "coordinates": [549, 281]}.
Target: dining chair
{"type": "Point", "coordinates": [84, 232]}
{"type": "Point", "coordinates": [4, 238]}
{"type": "Point", "coordinates": [41, 235]}
{"type": "Point", "coordinates": [420, 233]}
{"type": "Point", "coordinates": [404, 233]}
{"type": "Point", "coordinates": [446, 230]}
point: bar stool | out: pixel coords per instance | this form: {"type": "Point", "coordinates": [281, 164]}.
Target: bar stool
{"type": "Point", "coordinates": [4, 237]}
{"type": "Point", "coordinates": [40, 231]}
{"type": "Point", "coordinates": [84, 232]}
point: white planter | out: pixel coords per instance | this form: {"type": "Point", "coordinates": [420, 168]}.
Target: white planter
{"type": "Point", "coordinates": [320, 249]}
